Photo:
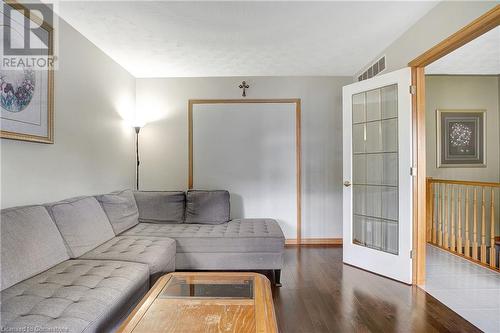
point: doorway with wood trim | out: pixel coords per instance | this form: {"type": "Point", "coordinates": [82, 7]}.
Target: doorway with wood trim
{"type": "Point", "coordinates": [457, 186]}
{"type": "Point", "coordinates": [478, 27]}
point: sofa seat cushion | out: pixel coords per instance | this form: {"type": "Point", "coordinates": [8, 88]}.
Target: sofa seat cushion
{"type": "Point", "coordinates": [243, 235]}
{"type": "Point", "coordinates": [82, 223]}
{"type": "Point", "coordinates": [157, 252]}
{"type": "Point", "coordinates": [74, 296]}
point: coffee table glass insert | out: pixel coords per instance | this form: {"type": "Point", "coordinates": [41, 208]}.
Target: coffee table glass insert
{"type": "Point", "coordinates": [187, 287]}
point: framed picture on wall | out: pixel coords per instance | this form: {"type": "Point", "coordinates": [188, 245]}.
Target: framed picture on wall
{"type": "Point", "coordinates": [26, 74]}
{"type": "Point", "coordinates": [461, 138]}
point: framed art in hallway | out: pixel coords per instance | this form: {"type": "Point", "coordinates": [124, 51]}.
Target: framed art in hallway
{"type": "Point", "coordinates": [461, 138]}
{"type": "Point", "coordinates": [26, 75]}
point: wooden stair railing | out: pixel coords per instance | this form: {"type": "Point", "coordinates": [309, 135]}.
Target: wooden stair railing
{"type": "Point", "coordinates": [452, 225]}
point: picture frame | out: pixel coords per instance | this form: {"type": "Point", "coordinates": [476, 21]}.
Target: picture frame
{"type": "Point", "coordinates": [31, 119]}
{"type": "Point", "coordinates": [460, 138]}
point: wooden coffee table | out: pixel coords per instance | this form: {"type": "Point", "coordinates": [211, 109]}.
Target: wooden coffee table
{"type": "Point", "coordinates": [205, 302]}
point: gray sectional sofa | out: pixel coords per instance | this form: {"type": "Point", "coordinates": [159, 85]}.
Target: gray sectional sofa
{"type": "Point", "coordinates": [82, 264]}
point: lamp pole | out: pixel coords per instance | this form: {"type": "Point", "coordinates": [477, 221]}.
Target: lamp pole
{"type": "Point", "coordinates": [137, 130]}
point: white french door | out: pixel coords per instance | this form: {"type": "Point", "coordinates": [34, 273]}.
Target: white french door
{"type": "Point", "coordinates": [377, 155]}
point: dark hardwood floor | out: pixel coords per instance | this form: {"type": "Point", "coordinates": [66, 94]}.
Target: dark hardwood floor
{"type": "Point", "coordinates": [320, 294]}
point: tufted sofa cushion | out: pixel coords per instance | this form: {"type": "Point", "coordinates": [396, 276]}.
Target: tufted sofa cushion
{"type": "Point", "coordinates": [157, 252]}
{"type": "Point", "coordinates": [121, 209]}
{"type": "Point", "coordinates": [161, 206]}
{"type": "Point", "coordinates": [30, 243]}
{"type": "Point", "coordinates": [74, 296]}
{"type": "Point", "coordinates": [82, 223]}
{"type": "Point", "coordinates": [243, 235]}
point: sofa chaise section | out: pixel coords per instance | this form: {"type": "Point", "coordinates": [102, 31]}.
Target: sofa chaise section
{"type": "Point", "coordinates": [240, 244]}
{"type": "Point", "coordinates": [236, 245]}
{"type": "Point", "coordinates": [237, 236]}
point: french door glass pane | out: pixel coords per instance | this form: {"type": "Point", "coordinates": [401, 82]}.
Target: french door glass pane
{"type": "Point", "coordinates": [358, 138]}
{"type": "Point", "coordinates": [358, 109]}
{"type": "Point", "coordinates": [373, 105]}
{"type": "Point", "coordinates": [375, 169]}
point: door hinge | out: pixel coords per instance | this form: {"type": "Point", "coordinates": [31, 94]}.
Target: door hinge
{"type": "Point", "coordinates": [411, 254]}
{"type": "Point", "coordinates": [413, 171]}
{"type": "Point", "coordinates": [413, 89]}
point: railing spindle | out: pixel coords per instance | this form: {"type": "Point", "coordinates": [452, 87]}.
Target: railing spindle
{"type": "Point", "coordinates": [440, 216]}
{"type": "Point", "coordinates": [459, 221]}
{"type": "Point", "coordinates": [493, 255]}
{"type": "Point", "coordinates": [452, 218]}
{"type": "Point", "coordinates": [474, 226]}
{"type": "Point", "coordinates": [483, 227]}
{"type": "Point", "coordinates": [446, 219]}
{"type": "Point", "coordinates": [434, 218]}
{"type": "Point", "coordinates": [429, 218]}
{"type": "Point", "coordinates": [468, 232]}
{"type": "Point", "coordinates": [467, 241]}
{"type": "Point", "coordinates": [431, 210]}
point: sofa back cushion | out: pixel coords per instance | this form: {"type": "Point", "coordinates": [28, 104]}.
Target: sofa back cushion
{"type": "Point", "coordinates": [30, 244]}
{"type": "Point", "coordinates": [121, 209]}
{"type": "Point", "coordinates": [161, 206]}
{"type": "Point", "coordinates": [207, 207]}
{"type": "Point", "coordinates": [82, 223]}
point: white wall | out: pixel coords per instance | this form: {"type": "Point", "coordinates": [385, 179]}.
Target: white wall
{"type": "Point", "coordinates": [463, 92]}
{"type": "Point", "coordinates": [164, 144]}
{"type": "Point", "coordinates": [441, 22]}
{"type": "Point", "coordinates": [93, 150]}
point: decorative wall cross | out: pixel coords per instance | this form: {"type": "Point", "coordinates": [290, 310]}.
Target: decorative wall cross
{"type": "Point", "coordinates": [244, 86]}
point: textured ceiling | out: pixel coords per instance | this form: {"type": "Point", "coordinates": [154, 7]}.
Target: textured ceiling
{"type": "Point", "coordinates": [178, 39]}
{"type": "Point", "coordinates": [480, 56]}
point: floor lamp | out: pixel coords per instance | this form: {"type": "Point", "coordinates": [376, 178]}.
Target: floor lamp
{"type": "Point", "coordinates": [137, 130]}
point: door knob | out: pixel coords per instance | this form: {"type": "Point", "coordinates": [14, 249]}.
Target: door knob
{"type": "Point", "coordinates": [347, 183]}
